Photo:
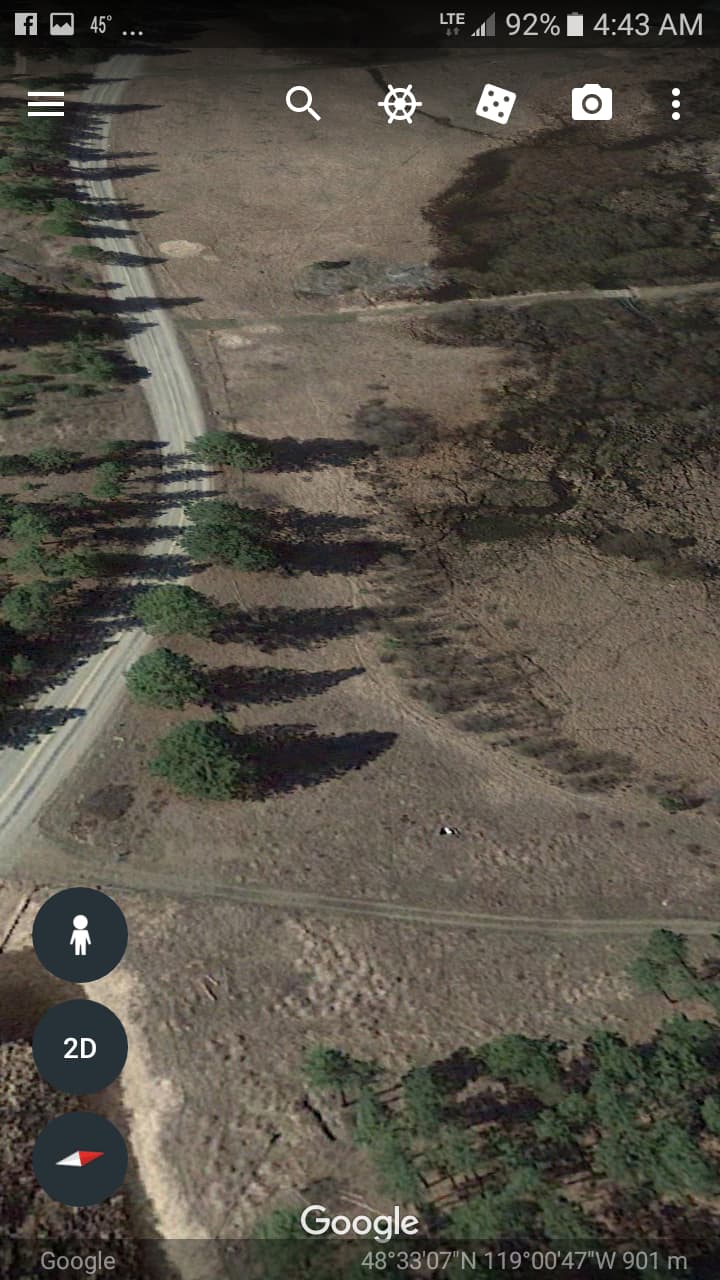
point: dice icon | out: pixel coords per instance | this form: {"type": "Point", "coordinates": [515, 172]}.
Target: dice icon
{"type": "Point", "coordinates": [495, 104]}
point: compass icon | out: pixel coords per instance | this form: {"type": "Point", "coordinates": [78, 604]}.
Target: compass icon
{"type": "Point", "coordinates": [399, 104]}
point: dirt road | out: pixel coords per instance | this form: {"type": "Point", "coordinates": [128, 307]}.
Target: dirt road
{"type": "Point", "coordinates": [28, 777]}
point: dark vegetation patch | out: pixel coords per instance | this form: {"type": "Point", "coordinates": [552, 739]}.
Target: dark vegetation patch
{"type": "Point", "coordinates": [611, 401]}
{"type": "Point", "coordinates": [568, 209]}
{"type": "Point", "coordinates": [109, 803]}
{"type": "Point", "coordinates": [602, 412]}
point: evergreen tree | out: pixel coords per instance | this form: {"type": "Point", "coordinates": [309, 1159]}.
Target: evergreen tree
{"type": "Point", "coordinates": [30, 524]}
{"type": "Point", "coordinates": [177, 610]}
{"type": "Point", "coordinates": [165, 679]}
{"type": "Point", "coordinates": [454, 1151]}
{"type": "Point", "coordinates": [520, 1060]}
{"type": "Point", "coordinates": [423, 1100]}
{"type": "Point", "coordinates": [224, 533]}
{"type": "Point", "coordinates": [398, 1174]}
{"type": "Point", "coordinates": [203, 760]}
{"type": "Point", "coordinates": [326, 1068]}
{"type": "Point", "coordinates": [370, 1118]}
{"type": "Point", "coordinates": [663, 966]}
{"type": "Point", "coordinates": [231, 449]}
{"type": "Point", "coordinates": [31, 608]}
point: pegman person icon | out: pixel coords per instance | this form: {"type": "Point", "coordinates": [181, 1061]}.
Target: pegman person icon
{"type": "Point", "coordinates": [80, 938]}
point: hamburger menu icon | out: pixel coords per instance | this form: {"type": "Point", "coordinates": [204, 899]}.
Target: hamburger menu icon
{"type": "Point", "coordinates": [62, 24]}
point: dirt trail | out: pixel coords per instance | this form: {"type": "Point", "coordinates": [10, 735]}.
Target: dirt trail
{"type": "Point", "coordinates": [380, 310]}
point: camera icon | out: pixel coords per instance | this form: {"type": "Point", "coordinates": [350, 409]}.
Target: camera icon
{"type": "Point", "coordinates": [592, 102]}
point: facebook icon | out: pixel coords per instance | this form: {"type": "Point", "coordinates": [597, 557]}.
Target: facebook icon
{"type": "Point", "coordinates": [26, 24]}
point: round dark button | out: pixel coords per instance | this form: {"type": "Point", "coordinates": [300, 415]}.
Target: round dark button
{"type": "Point", "coordinates": [80, 1046]}
{"type": "Point", "coordinates": [80, 934]}
{"type": "Point", "coordinates": [80, 1159]}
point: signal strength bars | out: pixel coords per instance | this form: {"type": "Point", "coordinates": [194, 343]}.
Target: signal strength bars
{"type": "Point", "coordinates": [486, 28]}
{"type": "Point", "coordinates": [46, 102]}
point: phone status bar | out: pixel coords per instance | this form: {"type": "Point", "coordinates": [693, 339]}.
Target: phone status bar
{"type": "Point", "coordinates": [368, 26]}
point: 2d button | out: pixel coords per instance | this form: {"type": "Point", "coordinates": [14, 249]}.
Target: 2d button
{"type": "Point", "coordinates": [80, 1159]}
{"type": "Point", "coordinates": [80, 1046]}
{"type": "Point", "coordinates": [80, 934]}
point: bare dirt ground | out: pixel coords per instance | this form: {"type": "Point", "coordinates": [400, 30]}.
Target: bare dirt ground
{"type": "Point", "coordinates": [223, 997]}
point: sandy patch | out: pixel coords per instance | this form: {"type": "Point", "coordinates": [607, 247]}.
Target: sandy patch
{"type": "Point", "coordinates": [186, 249]}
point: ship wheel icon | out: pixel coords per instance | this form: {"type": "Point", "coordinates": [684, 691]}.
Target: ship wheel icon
{"type": "Point", "coordinates": [399, 104]}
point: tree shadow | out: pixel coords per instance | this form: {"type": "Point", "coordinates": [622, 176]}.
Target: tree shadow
{"type": "Point", "coordinates": [25, 726]}
{"type": "Point", "coordinates": [288, 454]}
{"type": "Point", "coordinates": [130, 211]}
{"type": "Point", "coordinates": [336, 557]}
{"type": "Point", "coordinates": [110, 309]}
{"type": "Point", "coordinates": [297, 523]}
{"type": "Point", "coordinates": [286, 628]}
{"type": "Point", "coordinates": [166, 568]}
{"type": "Point", "coordinates": [54, 319]}
{"type": "Point", "coordinates": [460, 1069]}
{"type": "Point", "coordinates": [304, 542]}
{"type": "Point", "coordinates": [118, 172]}
{"type": "Point", "coordinates": [105, 231]}
{"type": "Point", "coordinates": [290, 757]}
{"type": "Point", "coordinates": [167, 476]}
{"type": "Point", "coordinates": [243, 686]}
{"type": "Point", "coordinates": [129, 155]}
{"type": "Point", "coordinates": [139, 535]}
{"type": "Point", "coordinates": [122, 259]}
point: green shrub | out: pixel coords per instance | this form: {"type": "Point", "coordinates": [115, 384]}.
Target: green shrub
{"type": "Point", "coordinates": [50, 458]}
{"type": "Point", "coordinates": [21, 666]}
{"type": "Point", "coordinates": [203, 760]}
{"type": "Point", "coordinates": [7, 512]}
{"type": "Point", "coordinates": [30, 524]}
{"type": "Point", "coordinates": [109, 479]}
{"type": "Point", "coordinates": [83, 562]}
{"type": "Point", "coordinates": [14, 464]}
{"type": "Point", "coordinates": [15, 290]}
{"type": "Point", "coordinates": [673, 802]}
{"type": "Point", "coordinates": [79, 280]}
{"type": "Point", "coordinates": [31, 195]}
{"type": "Point", "coordinates": [90, 252]}
{"type": "Point", "coordinates": [117, 448]}
{"type": "Point", "coordinates": [80, 356]}
{"type": "Point", "coordinates": [34, 558]}
{"type": "Point", "coordinates": [165, 679]}
{"type": "Point", "coordinates": [79, 390]}
{"type": "Point", "coordinates": [65, 219]}
{"type": "Point", "coordinates": [35, 143]}
{"type": "Point", "coordinates": [14, 393]}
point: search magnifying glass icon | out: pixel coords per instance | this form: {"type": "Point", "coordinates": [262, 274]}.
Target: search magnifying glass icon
{"type": "Point", "coordinates": [307, 100]}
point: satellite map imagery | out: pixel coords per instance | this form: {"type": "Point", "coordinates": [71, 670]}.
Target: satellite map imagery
{"type": "Point", "coordinates": [359, 642]}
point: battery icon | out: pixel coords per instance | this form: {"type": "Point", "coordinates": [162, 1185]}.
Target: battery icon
{"type": "Point", "coordinates": [574, 24]}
